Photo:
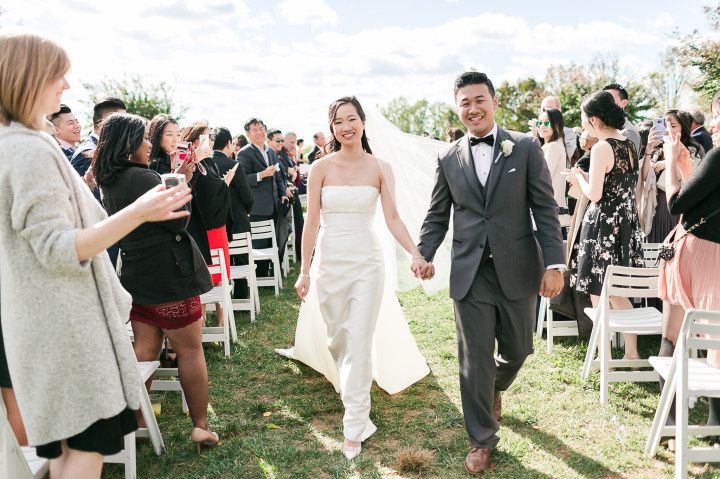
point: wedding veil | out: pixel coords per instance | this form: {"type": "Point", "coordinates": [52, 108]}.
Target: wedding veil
{"type": "Point", "coordinates": [413, 160]}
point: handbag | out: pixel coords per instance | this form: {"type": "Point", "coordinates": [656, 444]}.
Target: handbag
{"type": "Point", "coordinates": [667, 247]}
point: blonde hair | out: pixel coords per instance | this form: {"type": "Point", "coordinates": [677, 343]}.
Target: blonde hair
{"type": "Point", "coordinates": [28, 64]}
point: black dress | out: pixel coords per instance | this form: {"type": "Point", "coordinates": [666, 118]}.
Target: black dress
{"type": "Point", "coordinates": [610, 232]}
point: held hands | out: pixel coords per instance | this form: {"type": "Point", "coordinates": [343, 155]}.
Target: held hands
{"type": "Point", "coordinates": [302, 285]}
{"type": "Point", "coordinates": [160, 204]}
{"type": "Point", "coordinates": [552, 283]}
{"type": "Point", "coordinates": [422, 269]}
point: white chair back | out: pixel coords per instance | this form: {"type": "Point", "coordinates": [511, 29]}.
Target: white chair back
{"type": "Point", "coordinates": [263, 230]}
{"type": "Point", "coordinates": [650, 254]}
{"type": "Point", "coordinates": [628, 282]}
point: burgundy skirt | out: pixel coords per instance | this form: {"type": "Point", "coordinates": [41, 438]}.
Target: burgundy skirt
{"type": "Point", "coordinates": [172, 315]}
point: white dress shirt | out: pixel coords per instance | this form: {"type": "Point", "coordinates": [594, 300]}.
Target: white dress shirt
{"type": "Point", "coordinates": [263, 152]}
{"type": "Point", "coordinates": [482, 156]}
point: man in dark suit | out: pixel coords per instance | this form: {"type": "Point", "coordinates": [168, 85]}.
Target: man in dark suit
{"type": "Point", "coordinates": [262, 173]}
{"type": "Point", "coordinates": [492, 179]}
{"type": "Point", "coordinates": [67, 130]}
{"type": "Point", "coordinates": [287, 173]}
{"type": "Point", "coordinates": [699, 133]}
{"type": "Point", "coordinates": [317, 152]}
{"type": "Point", "coordinates": [241, 198]}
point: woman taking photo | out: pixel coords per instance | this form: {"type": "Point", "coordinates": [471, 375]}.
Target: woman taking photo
{"type": "Point", "coordinates": [161, 267]}
{"type": "Point", "coordinates": [552, 138]}
{"type": "Point", "coordinates": [610, 232]}
{"type": "Point", "coordinates": [689, 279]}
{"type": "Point", "coordinates": [53, 237]}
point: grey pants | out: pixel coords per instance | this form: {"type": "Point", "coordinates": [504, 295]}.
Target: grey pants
{"type": "Point", "coordinates": [481, 317]}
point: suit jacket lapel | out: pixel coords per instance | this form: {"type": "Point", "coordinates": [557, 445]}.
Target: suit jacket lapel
{"type": "Point", "coordinates": [467, 165]}
{"type": "Point", "coordinates": [496, 168]}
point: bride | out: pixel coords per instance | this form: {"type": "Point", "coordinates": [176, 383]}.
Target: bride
{"type": "Point", "coordinates": [345, 295]}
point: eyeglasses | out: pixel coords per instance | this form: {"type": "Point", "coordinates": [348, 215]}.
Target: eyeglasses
{"type": "Point", "coordinates": [546, 124]}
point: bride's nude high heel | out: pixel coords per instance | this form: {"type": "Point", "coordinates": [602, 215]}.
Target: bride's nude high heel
{"type": "Point", "coordinates": [201, 438]}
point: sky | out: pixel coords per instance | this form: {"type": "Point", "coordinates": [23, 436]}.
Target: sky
{"type": "Point", "coordinates": [286, 61]}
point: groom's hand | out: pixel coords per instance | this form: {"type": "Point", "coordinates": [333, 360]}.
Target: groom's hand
{"type": "Point", "coordinates": [552, 283]}
{"type": "Point", "coordinates": [428, 271]}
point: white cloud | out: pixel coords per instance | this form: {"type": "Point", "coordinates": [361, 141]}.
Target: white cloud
{"type": "Point", "coordinates": [308, 12]}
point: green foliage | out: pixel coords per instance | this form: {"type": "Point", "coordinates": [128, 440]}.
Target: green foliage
{"type": "Point", "coordinates": [705, 56]}
{"type": "Point", "coordinates": [572, 83]}
{"type": "Point", "coordinates": [421, 117]}
{"type": "Point", "coordinates": [518, 103]}
{"type": "Point", "coordinates": [141, 97]}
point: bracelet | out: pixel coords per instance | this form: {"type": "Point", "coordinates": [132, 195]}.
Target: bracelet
{"type": "Point", "coordinates": [419, 257]}
{"type": "Point", "coordinates": [304, 275]}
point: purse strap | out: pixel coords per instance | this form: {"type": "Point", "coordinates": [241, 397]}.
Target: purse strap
{"type": "Point", "coordinates": [696, 225]}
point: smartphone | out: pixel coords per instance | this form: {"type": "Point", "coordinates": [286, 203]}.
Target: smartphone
{"type": "Point", "coordinates": [170, 180]}
{"type": "Point", "coordinates": [659, 124]}
{"type": "Point", "coordinates": [204, 141]}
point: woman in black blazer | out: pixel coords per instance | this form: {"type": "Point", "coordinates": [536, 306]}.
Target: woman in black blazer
{"type": "Point", "coordinates": [160, 265]}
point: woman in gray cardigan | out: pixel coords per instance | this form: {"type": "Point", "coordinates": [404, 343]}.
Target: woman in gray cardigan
{"type": "Point", "coordinates": [73, 370]}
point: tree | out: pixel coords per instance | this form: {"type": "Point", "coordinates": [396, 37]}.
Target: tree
{"type": "Point", "coordinates": [141, 98]}
{"type": "Point", "coordinates": [421, 117]}
{"type": "Point", "coordinates": [704, 54]}
{"type": "Point", "coordinates": [671, 81]}
{"type": "Point", "coordinates": [572, 83]}
{"type": "Point", "coordinates": [518, 103]}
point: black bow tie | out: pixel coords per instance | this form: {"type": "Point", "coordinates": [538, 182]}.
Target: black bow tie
{"type": "Point", "coordinates": [488, 140]}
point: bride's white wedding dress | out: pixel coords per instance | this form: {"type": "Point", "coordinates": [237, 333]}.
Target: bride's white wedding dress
{"type": "Point", "coordinates": [351, 327]}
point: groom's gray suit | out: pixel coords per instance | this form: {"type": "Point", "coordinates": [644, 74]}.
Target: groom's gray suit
{"type": "Point", "coordinates": [497, 263]}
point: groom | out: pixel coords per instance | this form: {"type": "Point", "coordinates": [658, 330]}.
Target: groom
{"type": "Point", "coordinates": [492, 179]}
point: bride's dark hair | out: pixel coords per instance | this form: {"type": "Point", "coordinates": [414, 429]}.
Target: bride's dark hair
{"type": "Point", "coordinates": [332, 113]}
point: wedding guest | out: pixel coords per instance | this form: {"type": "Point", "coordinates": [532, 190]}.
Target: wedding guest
{"type": "Point", "coordinates": [319, 149]}
{"type": "Point", "coordinates": [82, 158]}
{"type": "Point", "coordinates": [551, 133]}
{"type": "Point", "coordinates": [287, 173]}
{"type": "Point", "coordinates": [259, 164]}
{"type": "Point", "coordinates": [238, 143]}
{"type": "Point", "coordinates": [301, 155]}
{"type": "Point", "coordinates": [689, 279]}
{"type": "Point", "coordinates": [211, 209]}
{"type": "Point", "coordinates": [610, 232]}
{"type": "Point", "coordinates": [75, 408]}
{"type": "Point", "coordinates": [629, 131]}
{"type": "Point", "coordinates": [698, 131]}
{"type": "Point", "coordinates": [241, 198]}
{"type": "Point", "coordinates": [663, 221]}
{"type": "Point", "coordinates": [161, 266]}
{"type": "Point", "coordinates": [290, 145]}
{"type": "Point", "coordinates": [454, 134]}
{"type": "Point", "coordinates": [569, 133]}
{"type": "Point", "coordinates": [67, 130]}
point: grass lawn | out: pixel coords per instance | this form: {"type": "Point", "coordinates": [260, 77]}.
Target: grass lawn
{"type": "Point", "coordinates": [553, 425]}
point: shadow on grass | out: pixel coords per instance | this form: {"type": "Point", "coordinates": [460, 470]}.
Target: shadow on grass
{"type": "Point", "coordinates": [580, 463]}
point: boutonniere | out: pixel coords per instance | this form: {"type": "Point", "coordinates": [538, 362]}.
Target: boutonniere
{"type": "Point", "coordinates": [506, 146]}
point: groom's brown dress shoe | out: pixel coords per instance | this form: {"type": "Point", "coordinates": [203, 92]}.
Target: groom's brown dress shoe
{"type": "Point", "coordinates": [478, 460]}
{"type": "Point", "coordinates": [497, 407]}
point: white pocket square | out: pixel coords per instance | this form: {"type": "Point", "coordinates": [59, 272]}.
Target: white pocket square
{"type": "Point", "coordinates": [512, 171]}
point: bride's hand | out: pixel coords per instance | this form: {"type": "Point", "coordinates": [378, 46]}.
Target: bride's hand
{"type": "Point", "coordinates": [302, 285]}
{"type": "Point", "coordinates": [418, 266]}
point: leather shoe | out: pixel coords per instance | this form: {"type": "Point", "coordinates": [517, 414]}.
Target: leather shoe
{"type": "Point", "coordinates": [478, 460]}
{"type": "Point", "coordinates": [497, 407]}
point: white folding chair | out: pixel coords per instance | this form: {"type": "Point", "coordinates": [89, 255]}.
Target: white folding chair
{"type": "Point", "coordinates": [650, 254]}
{"type": "Point", "coordinates": [260, 230]}
{"type": "Point", "coordinates": [628, 283]}
{"type": "Point", "coordinates": [219, 294]}
{"type": "Point", "coordinates": [685, 376]}
{"type": "Point", "coordinates": [554, 328]}
{"type": "Point", "coordinates": [15, 461]}
{"type": "Point", "coordinates": [128, 455]}
{"type": "Point", "coordinates": [242, 245]}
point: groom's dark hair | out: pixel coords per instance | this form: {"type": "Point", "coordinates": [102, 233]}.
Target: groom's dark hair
{"type": "Point", "coordinates": [473, 78]}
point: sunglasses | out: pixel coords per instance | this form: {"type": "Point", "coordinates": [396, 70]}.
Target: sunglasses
{"type": "Point", "coordinates": [546, 124]}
